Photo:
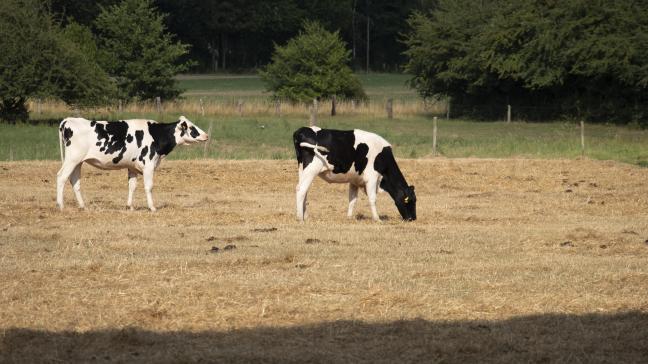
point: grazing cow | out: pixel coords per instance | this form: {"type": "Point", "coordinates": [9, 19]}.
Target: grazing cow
{"type": "Point", "coordinates": [137, 145]}
{"type": "Point", "coordinates": [356, 157]}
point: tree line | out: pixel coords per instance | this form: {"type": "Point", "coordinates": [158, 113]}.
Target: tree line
{"type": "Point", "coordinates": [239, 35]}
{"type": "Point", "coordinates": [548, 59]}
{"type": "Point", "coordinates": [585, 59]}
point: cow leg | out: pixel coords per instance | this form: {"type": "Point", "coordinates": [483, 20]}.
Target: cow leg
{"type": "Point", "coordinates": [306, 178]}
{"type": "Point", "coordinates": [148, 187]}
{"type": "Point", "coordinates": [62, 176]}
{"type": "Point", "coordinates": [353, 197]}
{"type": "Point", "coordinates": [132, 184]}
{"type": "Point", "coordinates": [75, 181]}
{"type": "Point", "coordinates": [371, 189]}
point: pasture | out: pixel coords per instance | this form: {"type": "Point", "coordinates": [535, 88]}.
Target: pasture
{"type": "Point", "coordinates": [511, 260]}
{"type": "Point", "coordinates": [523, 251]}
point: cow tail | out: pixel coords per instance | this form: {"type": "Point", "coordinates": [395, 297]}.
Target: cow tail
{"type": "Point", "coordinates": [316, 149]}
{"type": "Point", "coordinates": [60, 135]}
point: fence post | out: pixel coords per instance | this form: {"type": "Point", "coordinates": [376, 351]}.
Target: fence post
{"type": "Point", "coordinates": [206, 150]}
{"type": "Point", "coordinates": [353, 104]}
{"type": "Point", "coordinates": [434, 136]}
{"type": "Point", "coordinates": [240, 107]}
{"type": "Point", "coordinates": [202, 107]}
{"type": "Point", "coordinates": [158, 104]}
{"type": "Point", "coordinates": [582, 130]}
{"type": "Point", "coordinates": [120, 106]}
{"type": "Point", "coordinates": [448, 108]}
{"type": "Point", "coordinates": [390, 108]}
{"type": "Point", "coordinates": [508, 113]}
{"type": "Point", "coordinates": [333, 103]}
{"type": "Point", "coordinates": [278, 107]}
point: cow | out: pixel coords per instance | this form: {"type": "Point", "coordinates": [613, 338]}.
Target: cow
{"type": "Point", "coordinates": [357, 157]}
{"type": "Point", "coordinates": [137, 145]}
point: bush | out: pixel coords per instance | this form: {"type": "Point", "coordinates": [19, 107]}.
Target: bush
{"type": "Point", "coordinates": [314, 64]}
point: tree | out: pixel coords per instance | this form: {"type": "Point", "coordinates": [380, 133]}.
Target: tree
{"type": "Point", "coordinates": [581, 58]}
{"type": "Point", "coordinates": [39, 59]}
{"type": "Point", "coordinates": [314, 64]}
{"type": "Point", "coordinates": [136, 50]}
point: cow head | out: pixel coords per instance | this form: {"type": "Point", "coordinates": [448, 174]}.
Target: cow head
{"type": "Point", "coordinates": [188, 132]}
{"type": "Point", "coordinates": [405, 200]}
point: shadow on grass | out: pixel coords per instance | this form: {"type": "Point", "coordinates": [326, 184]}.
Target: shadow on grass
{"type": "Point", "coordinates": [587, 338]}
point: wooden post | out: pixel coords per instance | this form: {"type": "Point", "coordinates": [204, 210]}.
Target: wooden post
{"type": "Point", "coordinates": [353, 104]}
{"type": "Point", "coordinates": [390, 108]}
{"type": "Point", "coordinates": [240, 107]}
{"type": "Point", "coordinates": [202, 107]}
{"type": "Point", "coordinates": [120, 106]}
{"type": "Point", "coordinates": [508, 113]}
{"type": "Point", "coordinates": [278, 107]}
{"type": "Point", "coordinates": [206, 150]}
{"type": "Point", "coordinates": [582, 130]}
{"type": "Point", "coordinates": [158, 104]}
{"type": "Point", "coordinates": [448, 108]}
{"type": "Point", "coordinates": [333, 103]}
{"type": "Point", "coordinates": [434, 136]}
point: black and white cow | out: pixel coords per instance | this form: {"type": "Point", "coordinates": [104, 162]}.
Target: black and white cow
{"type": "Point", "coordinates": [137, 145]}
{"type": "Point", "coordinates": [356, 157]}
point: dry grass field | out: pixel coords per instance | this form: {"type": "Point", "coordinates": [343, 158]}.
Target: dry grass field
{"type": "Point", "coordinates": [510, 261]}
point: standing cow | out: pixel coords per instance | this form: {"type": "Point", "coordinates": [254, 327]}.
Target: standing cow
{"type": "Point", "coordinates": [356, 157]}
{"type": "Point", "coordinates": [137, 145]}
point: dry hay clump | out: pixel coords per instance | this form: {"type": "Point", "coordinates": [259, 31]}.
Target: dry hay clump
{"type": "Point", "coordinates": [510, 260]}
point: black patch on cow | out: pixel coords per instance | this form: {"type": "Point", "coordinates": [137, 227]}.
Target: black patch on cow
{"type": "Point", "coordinates": [129, 138]}
{"type": "Point", "coordinates": [98, 143]}
{"type": "Point", "coordinates": [67, 135]}
{"type": "Point", "coordinates": [163, 138]}
{"type": "Point", "coordinates": [342, 155]}
{"type": "Point", "coordinates": [62, 126]}
{"type": "Point", "coordinates": [92, 123]}
{"type": "Point", "coordinates": [304, 155]}
{"type": "Point", "coordinates": [394, 183]}
{"type": "Point", "coordinates": [112, 135]}
{"type": "Point", "coordinates": [194, 132]}
{"type": "Point", "coordinates": [183, 129]}
{"type": "Point", "coordinates": [133, 160]}
{"type": "Point", "coordinates": [139, 135]}
{"type": "Point", "coordinates": [143, 153]}
{"type": "Point", "coordinates": [361, 157]}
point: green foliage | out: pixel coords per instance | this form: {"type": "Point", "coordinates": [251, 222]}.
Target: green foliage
{"type": "Point", "coordinates": [136, 50]}
{"type": "Point", "coordinates": [312, 65]}
{"type": "Point", "coordinates": [582, 58]}
{"type": "Point", "coordinates": [39, 59]}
